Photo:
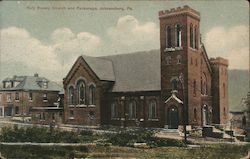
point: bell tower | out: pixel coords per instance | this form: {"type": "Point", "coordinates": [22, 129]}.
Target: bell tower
{"type": "Point", "coordinates": [179, 46]}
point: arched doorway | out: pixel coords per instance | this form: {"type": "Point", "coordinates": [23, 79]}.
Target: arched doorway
{"type": "Point", "coordinates": [173, 119]}
{"type": "Point", "coordinates": [205, 115]}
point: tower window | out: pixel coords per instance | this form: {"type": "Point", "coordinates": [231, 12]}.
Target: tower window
{"type": "Point", "coordinates": [179, 59]}
{"type": "Point", "coordinates": [224, 90]}
{"type": "Point", "coordinates": [168, 60]}
{"type": "Point", "coordinates": [191, 36]}
{"type": "Point", "coordinates": [174, 84]}
{"type": "Point", "coordinates": [195, 114]}
{"type": "Point", "coordinates": [194, 87]}
{"type": "Point", "coordinates": [195, 38]}
{"type": "Point", "coordinates": [178, 35]}
{"type": "Point", "coordinates": [168, 37]}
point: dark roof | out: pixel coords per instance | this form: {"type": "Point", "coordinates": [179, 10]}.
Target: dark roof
{"type": "Point", "coordinates": [103, 68]}
{"type": "Point", "coordinates": [138, 71]}
{"type": "Point", "coordinates": [132, 72]}
{"type": "Point", "coordinates": [31, 83]}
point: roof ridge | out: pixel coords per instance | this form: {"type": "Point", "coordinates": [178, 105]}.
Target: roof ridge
{"type": "Point", "coordinates": [130, 53]}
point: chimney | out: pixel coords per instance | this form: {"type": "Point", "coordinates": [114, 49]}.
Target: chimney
{"type": "Point", "coordinates": [36, 75]}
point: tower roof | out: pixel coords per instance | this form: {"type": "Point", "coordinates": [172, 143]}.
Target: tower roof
{"type": "Point", "coordinates": [180, 10]}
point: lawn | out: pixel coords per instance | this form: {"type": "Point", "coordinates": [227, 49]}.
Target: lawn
{"type": "Point", "coordinates": [226, 151]}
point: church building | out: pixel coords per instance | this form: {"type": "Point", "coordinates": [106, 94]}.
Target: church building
{"type": "Point", "coordinates": [156, 88]}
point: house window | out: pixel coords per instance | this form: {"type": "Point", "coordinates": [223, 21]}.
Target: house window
{"type": "Point", "coordinates": [191, 35]}
{"type": "Point", "coordinates": [174, 83]}
{"type": "Point", "coordinates": [8, 97]}
{"type": "Point", "coordinates": [168, 35]}
{"type": "Point", "coordinates": [45, 97]}
{"type": "Point", "coordinates": [132, 110]}
{"type": "Point", "coordinates": [179, 59]}
{"type": "Point", "coordinates": [168, 60]}
{"type": "Point", "coordinates": [71, 114]}
{"type": "Point", "coordinates": [152, 110]}
{"type": "Point", "coordinates": [114, 110]}
{"type": "Point", "coordinates": [17, 110]}
{"type": "Point", "coordinates": [194, 87]}
{"type": "Point", "coordinates": [178, 35]}
{"type": "Point", "coordinates": [71, 95]}
{"type": "Point", "coordinates": [45, 84]}
{"type": "Point", "coordinates": [195, 38]}
{"type": "Point", "coordinates": [195, 114]}
{"type": "Point", "coordinates": [91, 95]}
{"type": "Point", "coordinates": [0, 97]}
{"type": "Point", "coordinates": [81, 92]}
{"type": "Point", "coordinates": [30, 96]}
{"type": "Point", "coordinates": [17, 96]}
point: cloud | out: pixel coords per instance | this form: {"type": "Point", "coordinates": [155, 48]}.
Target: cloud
{"type": "Point", "coordinates": [231, 43]}
{"type": "Point", "coordinates": [23, 54]}
{"type": "Point", "coordinates": [68, 46]}
{"type": "Point", "coordinates": [129, 35]}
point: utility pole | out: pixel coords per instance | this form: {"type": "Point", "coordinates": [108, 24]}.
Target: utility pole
{"type": "Point", "coordinates": [181, 78]}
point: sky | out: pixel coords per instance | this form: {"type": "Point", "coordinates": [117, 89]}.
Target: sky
{"type": "Point", "coordinates": [47, 37]}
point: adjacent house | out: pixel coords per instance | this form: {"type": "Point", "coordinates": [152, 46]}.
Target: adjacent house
{"type": "Point", "coordinates": [158, 88]}
{"type": "Point", "coordinates": [20, 94]}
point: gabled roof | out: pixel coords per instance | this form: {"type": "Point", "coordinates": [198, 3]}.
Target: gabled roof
{"type": "Point", "coordinates": [102, 68]}
{"type": "Point", "coordinates": [138, 71]}
{"type": "Point", "coordinates": [175, 98]}
{"type": "Point", "coordinates": [31, 83]}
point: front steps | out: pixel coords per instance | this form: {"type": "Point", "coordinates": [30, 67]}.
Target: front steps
{"type": "Point", "coordinates": [219, 133]}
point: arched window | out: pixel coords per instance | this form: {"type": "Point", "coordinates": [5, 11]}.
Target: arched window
{"type": "Point", "coordinates": [179, 59]}
{"type": "Point", "coordinates": [195, 38]}
{"type": "Point", "coordinates": [132, 110]}
{"type": "Point", "coordinates": [224, 90]}
{"type": "Point", "coordinates": [191, 36]}
{"type": "Point", "coordinates": [71, 95]}
{"type": "Point", "coordinates": [81, 92]}
{"type": "Point", "coordinates": [204, 87]}
{"type": "Point", "coordinates": [174, 83]}
{"type": "Point", "coordinates": [201, 85]}
{"type": "Point", "coordinates": [168, 60]}
{"type": "Point", "coordinates": [178, 35]}
{"type": "Point", "coordinates": [194, 86]}
{"type": "Point", "coordinates": [91, 94]}
{"type": "Point", "coordinates": [195, 114]}
{"type": "Point", "coordinates": [114, 110]}
{"type": "Point", "coordinates": [152, 110]}
{"type": "Point", "coordinates": [168, 37]}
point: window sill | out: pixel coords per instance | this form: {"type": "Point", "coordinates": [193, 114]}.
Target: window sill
{"type": "Point", "coordinates": [71, 118]}
{"type": "Point", "coordinates": [71, 106]}
{"type": "Point", "coordinates": [45, 101]}
{"type": "Point", "coordinates": [81, 106]}
{"type": "Point", "coordinates": [30, 100]}
{"type": "Point", "coordinates": [115, 118]}
{"type": "Point", "coordinates": [193, 49]}
{"type": "Point", "coordinates": [153, 119]}
{"type": "Point", "coordinates": [92, 106]}
{"type": "Point", "coordinates": [173, 49]}
{"type": "Point", "coordinates": [132, 119]}
{"type": "Point", "coordinates": [17, 100]}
